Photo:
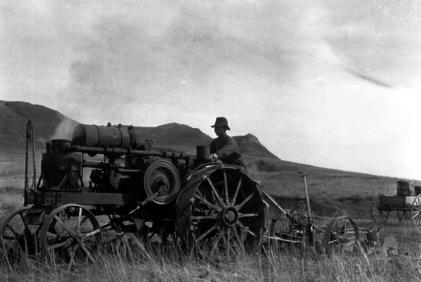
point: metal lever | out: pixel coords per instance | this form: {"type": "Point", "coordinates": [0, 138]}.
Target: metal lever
{"type": "Point", "coordinates": [307, 196]}
{"type": "Point", "coordinates": [143, 203]}
{"type": "Point", "coordinates": [29, 139]}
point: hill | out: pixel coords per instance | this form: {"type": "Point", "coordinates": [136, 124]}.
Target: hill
{"type": "Point", "coordinates": [49, 124]}
{"type": "Point", "coordinates": [14, 116]}
{"type": "Point", "coordinates": [176, 137]}
{"type": "Point", "coordinates": [249, 145]}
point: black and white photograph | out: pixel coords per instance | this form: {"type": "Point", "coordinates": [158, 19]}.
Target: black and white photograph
{"type": "Point", "coordinates": [203, 140]}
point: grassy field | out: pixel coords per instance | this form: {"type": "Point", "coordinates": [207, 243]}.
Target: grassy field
{"type": "Point", "coordinates": [280, 178]}
{"type": "Point", "coordinates": [131, 264]}
{"type": "Point", "coordinates": [396, 257]}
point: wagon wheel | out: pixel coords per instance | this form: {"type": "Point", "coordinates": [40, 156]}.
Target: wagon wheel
{"type": "Point", "coordinates": [70, 233]}
{"type": "Point", "coordinates": [416, 211]}
{"type": "Point", "coordinates": [341, 235]}
{"type": "Point", "coordinates": [224, 213]}
{"type": "Point", "coordinates": [18, 239]}
{"type": "Point", "coordinates": [379, 215]}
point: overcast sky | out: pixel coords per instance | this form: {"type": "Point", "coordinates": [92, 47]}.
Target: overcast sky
{"type": "Point", "coordinates": [328, 83]}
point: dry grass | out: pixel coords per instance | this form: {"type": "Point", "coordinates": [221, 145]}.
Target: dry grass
{"type": "Point", "coordinates": [123, 263]}
{"type": "Point", "coordinates": [271, 265]}
{"type": "Point", "coordinates": [11, 199]}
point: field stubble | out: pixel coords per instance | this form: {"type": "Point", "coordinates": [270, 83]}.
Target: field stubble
{"type": "Point", "coordinates": [396, 261]}
{"type": "Point", "coordinates": [130, 264]}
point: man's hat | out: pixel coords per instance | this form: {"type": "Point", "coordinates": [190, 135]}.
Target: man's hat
{"type": "Point", "coordinates": [221, 122]}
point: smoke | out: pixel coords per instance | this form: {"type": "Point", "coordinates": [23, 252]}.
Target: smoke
{"type": "Point", "coordinates": [64, 130]}
{"type": "Point", "coordinates": [131, 67]}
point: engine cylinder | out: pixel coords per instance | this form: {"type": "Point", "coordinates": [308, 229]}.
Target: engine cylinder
{"type": "Point", "coordinates": [98, 136]}
{"type": "Point", "coordinates": [121, 136]}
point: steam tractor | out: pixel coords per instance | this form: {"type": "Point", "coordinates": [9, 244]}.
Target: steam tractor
{"type": "Point", "coordinates": [108, 181]}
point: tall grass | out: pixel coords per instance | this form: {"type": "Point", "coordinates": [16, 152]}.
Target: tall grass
{"type": "Point", "coordinates": [128, 262]}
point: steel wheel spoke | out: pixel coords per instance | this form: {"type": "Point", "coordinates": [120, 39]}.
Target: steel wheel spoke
{"type": "Point", "coordinates": [239, 206]}
{"type": "Point", "coordinates": [71, 233]}
{"type": "Point", "coordinates": [79, 219]}
{"type": "Point", "coordinates": [207, 203]}
{"type": "Point", "coordinates": [72, 253]}
{"type": "Point", "coordinates": [60, 244]}
{"type": "Point", "coordinates": [215, 226]}
{"type": "Point", "coordinates": [229, 238]}
{"type": "Point", "coordinates": [240, 242]}
{"type": "Point", "coordinates": [215, 244]}
{"type": "Point", "coordinates": [87, 252]}
{"type": "Point", "coordinates": [234, 199]}
{"type": "Point", "coordinates": [333, 241]}
{"type": "Point", "coordinates": [242, 215]}
{"type": "Point", "coordinates": [72, 261]}
{"type": "Point", "coordinates": [199, 217]}
{"type": "Point", "coordinates": [226, 188]}
{"type": "Point", "coordinates": [246, 228]}
{"type": "Point", "coordinates": [226, 239]}
{"type": "Point", "coordinates": [91, 233]}
{"type": "Point", "coordinates": [214, 191]}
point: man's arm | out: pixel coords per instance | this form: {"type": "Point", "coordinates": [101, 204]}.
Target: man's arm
{"type": "Point", "coordinates": [229, 148]}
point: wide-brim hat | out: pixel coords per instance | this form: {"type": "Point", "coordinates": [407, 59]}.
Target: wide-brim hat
{"type": "Point", "coordinates": [221, 122]}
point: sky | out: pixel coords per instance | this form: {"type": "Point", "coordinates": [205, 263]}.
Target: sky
{"type": "Point", "coordinates": [327, 83]}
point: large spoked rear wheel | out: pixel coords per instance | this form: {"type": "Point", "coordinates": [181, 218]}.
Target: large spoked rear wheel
{"type": "Point", "coordinates": [17, 238]}
{"type": "Point", "coordinates": [70, 233]}
{"type": "Point", "coordinates": [223, 214]}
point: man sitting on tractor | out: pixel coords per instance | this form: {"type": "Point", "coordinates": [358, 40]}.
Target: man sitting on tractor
{"type": "Point", "coordinates": [224, 147]}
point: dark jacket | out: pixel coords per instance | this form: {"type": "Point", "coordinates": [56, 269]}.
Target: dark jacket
{"type": "Point", "coordinates": [227, 150]}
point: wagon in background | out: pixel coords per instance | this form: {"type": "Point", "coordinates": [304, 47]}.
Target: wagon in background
{"type": "Point", "coordinates": [404, 207]}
